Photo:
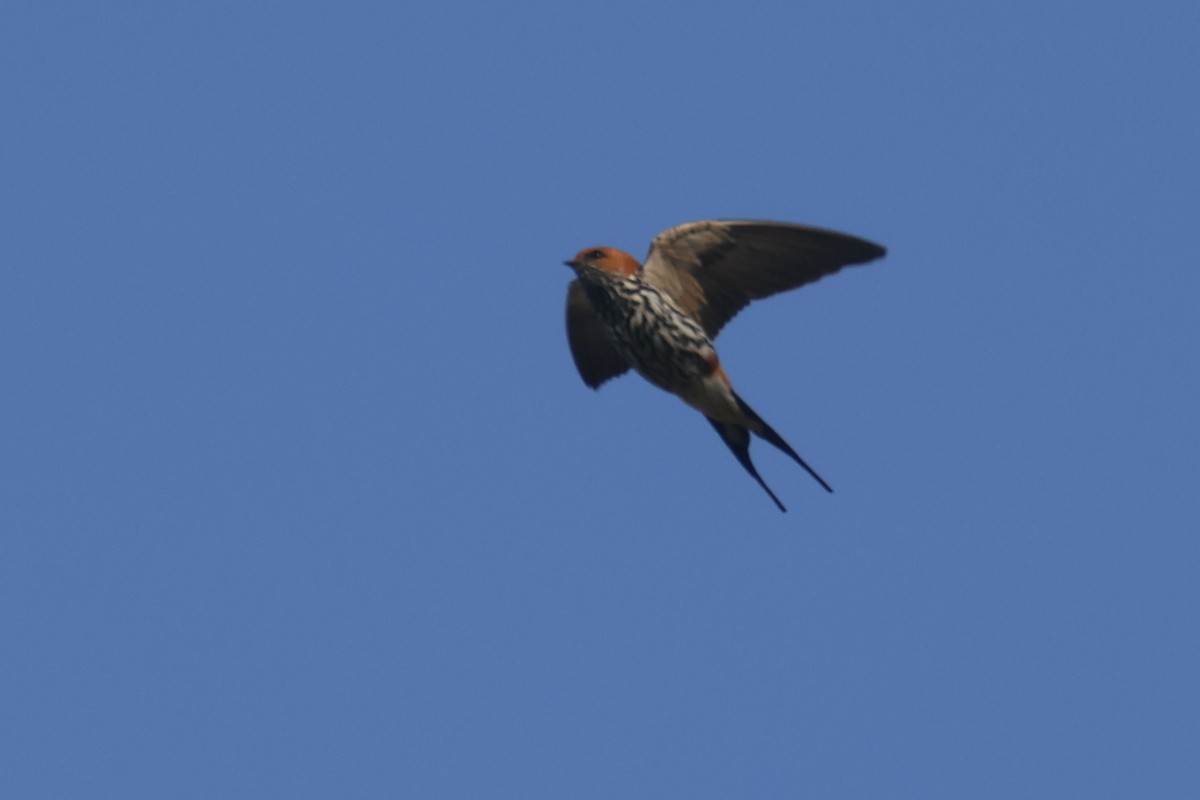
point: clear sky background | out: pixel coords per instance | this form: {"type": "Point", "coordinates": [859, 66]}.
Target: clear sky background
{"type": "Point", "coordinates": [302, 497]}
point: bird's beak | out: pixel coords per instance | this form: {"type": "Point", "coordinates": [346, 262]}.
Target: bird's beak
{"type": "Point", "coordinates": [572, 263]}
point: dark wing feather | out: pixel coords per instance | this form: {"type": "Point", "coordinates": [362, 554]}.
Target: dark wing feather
{"type": "Point", "coordinates": [594, 355]}
{"type": "Point", "coordinates": [714, 269]}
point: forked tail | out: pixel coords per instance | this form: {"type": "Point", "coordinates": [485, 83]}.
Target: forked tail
{"type": "Point", "coordinates": [737, 438]}
{"type": "Point", "coordinates": [774, 438]}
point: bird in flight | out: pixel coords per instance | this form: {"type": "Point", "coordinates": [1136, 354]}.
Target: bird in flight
{"type": "Point", "coordinates": [660, 318]}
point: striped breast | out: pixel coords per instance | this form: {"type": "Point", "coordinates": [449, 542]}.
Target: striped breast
{"type": "Point", "coordinates": [649, 330]}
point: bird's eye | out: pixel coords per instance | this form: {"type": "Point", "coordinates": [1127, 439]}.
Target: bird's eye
{"type": "Point", "coordinates": [592, 255]}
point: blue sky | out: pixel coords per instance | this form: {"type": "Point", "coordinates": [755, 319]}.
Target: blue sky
{"type": "Point", "coordinates": [302, 497]}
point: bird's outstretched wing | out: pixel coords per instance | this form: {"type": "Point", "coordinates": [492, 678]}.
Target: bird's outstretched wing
{"type": "Point", "coordinates": [713, 269]}
{"type": "Point", "coordinates": [594, 355]}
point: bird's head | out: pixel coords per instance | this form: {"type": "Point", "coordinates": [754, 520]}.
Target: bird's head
{"type": "Point", "coordinates": [610, 261]}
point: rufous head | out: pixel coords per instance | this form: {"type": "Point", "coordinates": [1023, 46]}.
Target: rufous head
{"type": "Point", "coordinates": [610, 260]}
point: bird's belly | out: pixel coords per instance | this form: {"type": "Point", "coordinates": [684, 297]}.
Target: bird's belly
{"type": "Point", "coordinates": [671, 356]}
{"type": "Point", "coordinates": [713, 397]}
{"type": "Point", "coordinates": [674, 371]}
{"type": "Point", "coordinates": [689, 374]}
{"type": "Point", "coordinates": [664, 345]}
